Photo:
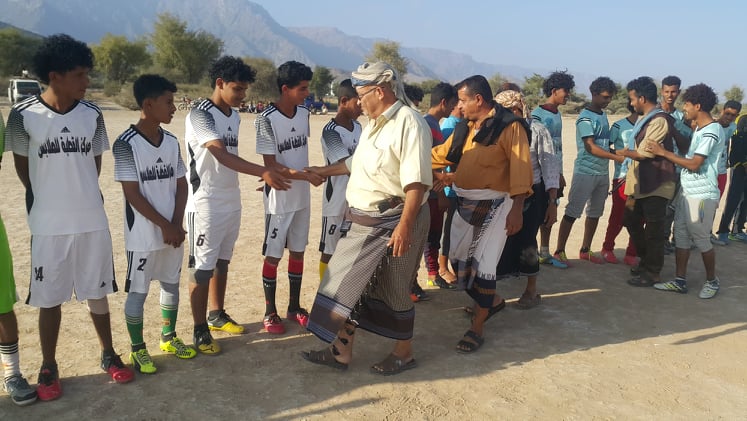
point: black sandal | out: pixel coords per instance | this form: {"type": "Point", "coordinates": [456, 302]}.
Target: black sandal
{"type": "Point", "coordinates": [467, 347]}
{"type": "Point", "coordinates": [392, 365]}
{"type": "Point", "coordinates": [324, 357]}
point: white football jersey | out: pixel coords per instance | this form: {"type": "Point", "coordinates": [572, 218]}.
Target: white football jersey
{"type": "Point", "coordinates": [213, 187]}
{"type": "Point", "coordinates": [65, 197]}
{"type": "Point", "coordinates": [337, 143]}
{"type": "Point", "coordinates": [287, 138]}
{"type": "Point", "coordinates": [156, 169]}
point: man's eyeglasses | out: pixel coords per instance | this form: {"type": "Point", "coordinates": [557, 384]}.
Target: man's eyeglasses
{"type": "Point", "coordinates": [360, 97]}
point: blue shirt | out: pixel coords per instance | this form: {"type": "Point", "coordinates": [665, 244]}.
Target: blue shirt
{"type": "Point", "coordinates": [554, 123]}
{"type": "Point", "coordinates": [621, 135]}
{"type": "Point", "coordinates": [447, 126]}
{"type": "Point", "coordinates": [703, 184]}
{"type": "Point", "coordinates": [596, 125]}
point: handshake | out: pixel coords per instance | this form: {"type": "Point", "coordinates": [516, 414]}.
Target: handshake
{"type": "Point", "coordinates": [278, 177]}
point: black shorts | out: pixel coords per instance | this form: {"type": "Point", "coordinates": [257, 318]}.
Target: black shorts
{"type": "Point", "coordinates": [520, 255]}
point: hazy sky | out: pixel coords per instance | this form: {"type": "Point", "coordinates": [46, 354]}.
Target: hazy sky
{"type": "Point", "coordinates": [620, 39]}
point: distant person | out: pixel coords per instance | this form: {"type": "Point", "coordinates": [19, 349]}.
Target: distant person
{"type": "Point", "coordinates": [447, 127]}
{"type": "Point", "coordinates": [443, 101]}
{"type": "Point", "coordinates": [695, 206]}
{"type": "Point", "coordinates": [148, 163]}
{"type": "Point", "coordinates": [18, 388]}
{"type": "Point", "coordinates": [339, 139]}
{"type": "Point", "coordinates": [649, 182]}
{"type": "Point", "coordinates": [59, 136]}
{"type": "Point", "coordinates": [726, 120]}
{"type": "Point", "coordinates": [620, 138]}
{"type": "Point", "coordinates": [557, 88]}
{"type": "Point", "coordinates": [591, 178]}
{"type": "Point", "coordinates": [670, 91]}
{"type": "Point", "coordinates": [214, 201]}
{"type": "Point", "coordinates": [282, 140]}
{"type": "Point", "coordinates": [736, 205]}
{"type": "Point", "coordinates": [415, 94]}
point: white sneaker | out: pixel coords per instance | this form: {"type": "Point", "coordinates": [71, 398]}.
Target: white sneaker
{"type": "Point", "coordinates": [709, 290]}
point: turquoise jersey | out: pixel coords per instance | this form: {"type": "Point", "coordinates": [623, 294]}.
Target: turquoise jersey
{"type": "Point", "coordinates": [621, 135]}
{"type": "Point", "coordinates": [722, 161]}
{"type": "Point", "coordinates": [591, 124]}
{"type": "Point", "coordinates": [554, 123]}
{"type": "Point", "coordinates": [703, 184]}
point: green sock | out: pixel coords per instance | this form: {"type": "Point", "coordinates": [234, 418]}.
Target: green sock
{"type": "Point", "coordinates": [168, 314]}
{"type": "Point", "coordinates": [135, 329]}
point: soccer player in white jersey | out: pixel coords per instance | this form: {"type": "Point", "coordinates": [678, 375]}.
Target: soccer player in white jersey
{"type": "Point", "coordinates": [57, 140]}
{"type": "Point", "coordinates": [557, 88]}
{"type": "Point", "coordinates": [282, 140]}
{"type": "Point", "coordinates": [696, 203]}
{"type": "Point", "coordinates": [339, 138]}
{"type": "Point", "coordinates": [148, 163]}
{"type": "Point", "coordinates": [214, 202]}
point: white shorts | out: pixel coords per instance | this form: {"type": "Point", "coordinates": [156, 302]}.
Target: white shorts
{"type": "Point", "coordinates": [330, 233]}
{"type": "Point", "coordinates": [164, 265]}
{"type": "Point", "coordinates": [63, 264]}
{"type": "Point", "coordinates": [211, 237]}
{"type": "Point", "coordinates": [693, 221]}
{"type": "Point", "coordinates": [591, 189]}
{"type": "Point", "coordinates": [286, 230]}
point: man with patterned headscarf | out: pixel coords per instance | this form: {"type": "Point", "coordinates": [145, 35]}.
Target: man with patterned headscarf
{"type": "Point", "coordinates": [493, 176]}
{"type": "Point", "coordinates": [367, 282]}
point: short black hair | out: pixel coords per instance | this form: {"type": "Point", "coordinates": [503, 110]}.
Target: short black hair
{"type": "Point", "coordinates": [292, 73]}
{"type": "Point", "coordinates": [414, 92]}
{"type": "Point", "coordinates": [346, 89]}
{"type": "Point", "coordinates": [477, 84]}
{"type": "Point", "coordinates": [671, 81]}
{"type": "Point", "coordinates": [644, 87]}
{"type": "Point", "coordinates": [151, 86]}
{"type": "Point", "coordinates": [442, 92]}
{"type": "Point", "coordinates": [231, 69]}
{"type": "Point", "coordinates": [60, 53]}
{"type": "Point", "coordinates": [733, 105]}
{"type": "Point", "coordinates": [508, 86]}
{"type": "Point", "coordinates": [701, 94]}
{"type": "Point", "coordinates": [558, 80]}
{"type": "Point", "coordinates": [603, 84]}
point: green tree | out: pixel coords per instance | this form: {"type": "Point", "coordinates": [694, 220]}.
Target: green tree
{"type": "Point", "coordinates": [119, 59]}
{"type": "Point", "coordinates": [17, 51]}
{"type": "Point", "coordinates": [428, 85]}
{"type": "Point", "coordinates": [532, 89]}
{"type": "Point", "coordinates": [265, 86]}
{"type": "Point", "coordinates": [319, 84]}
{"type": "Point", "coordinates": [388, 52]}
{"type": "Point", "coordinates": [188, 53]}
{"type": "Point", "coordinates": [735, 93]}
{"type": "Point", "coordinates": [496, 81]}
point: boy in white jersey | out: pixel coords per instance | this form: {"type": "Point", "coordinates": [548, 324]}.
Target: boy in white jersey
{"type": "Point", "coordinates": [18, 388]}
{"type": "Point", "coordinates": [591, 178]}
{"type": "Point", "coordinates": [214, 202]}
{"type": "Point", "coordinates": [282, 140]}
{"type": "Point", "coordinates": [695, 205]}
{"type": "Point", "coordinates": [57, 140]}
{"type": "Point", "coordinates": [339, 138]}
{"type": "Point", "coordinates": [557, 88]}
{"type": "Point", "coordinates": [148, 163]}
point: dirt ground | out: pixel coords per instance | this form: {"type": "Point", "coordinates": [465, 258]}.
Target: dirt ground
{"type": "Point", "coordinates": [595, 349]}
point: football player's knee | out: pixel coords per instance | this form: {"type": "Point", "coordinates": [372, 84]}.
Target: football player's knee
{"type": "Point", "coordinates": [201, 276]}
{"type": "Point", "coordinates": [221, 266]}
{"type": "Point", "coordinates": [98, 305]}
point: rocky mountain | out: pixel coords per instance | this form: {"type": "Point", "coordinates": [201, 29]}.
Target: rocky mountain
{"type": "Point", "coordinates": [246, 28]}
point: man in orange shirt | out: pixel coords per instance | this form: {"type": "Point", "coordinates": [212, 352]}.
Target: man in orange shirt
{"type": "Point", "coordinates": [493, 176]}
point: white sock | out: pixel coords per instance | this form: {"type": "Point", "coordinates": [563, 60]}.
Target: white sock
{"type": "Point", "coordinates": [10, 358]}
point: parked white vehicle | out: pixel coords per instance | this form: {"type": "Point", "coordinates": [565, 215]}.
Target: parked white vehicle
{"type": "Point", "coordinates": [20, 89]}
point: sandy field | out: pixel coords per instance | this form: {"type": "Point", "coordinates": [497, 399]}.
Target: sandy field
{"type": "Point", "coordinates": [595, 349]}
